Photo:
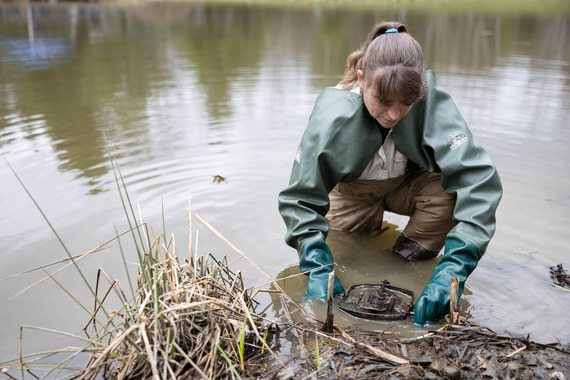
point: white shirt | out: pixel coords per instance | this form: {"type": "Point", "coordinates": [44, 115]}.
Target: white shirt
{"type": "Point", "coordinates": [386, 163]}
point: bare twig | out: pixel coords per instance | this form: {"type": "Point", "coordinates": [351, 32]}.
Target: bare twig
{"type": "Point", "coordinates": [381, 354]}
{"type": "Point", "coordinates": [328, 326]}
{"type": "Point", "coordinates": [453, 298]}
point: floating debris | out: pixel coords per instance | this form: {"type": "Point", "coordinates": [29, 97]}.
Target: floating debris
{"type": "Point", "coordinates": [218, 178]}
{"type": "Point", "coordinates": [559, 276]}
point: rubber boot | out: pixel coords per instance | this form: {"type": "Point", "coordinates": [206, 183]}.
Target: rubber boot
{"type": "Point", "coordinates": [411, 250]}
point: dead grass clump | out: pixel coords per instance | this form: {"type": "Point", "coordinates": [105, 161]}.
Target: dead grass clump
{"type": "Point", "coordinates": [191, 320]}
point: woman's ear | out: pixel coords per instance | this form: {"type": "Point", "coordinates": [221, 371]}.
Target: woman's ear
{"type": "Point", "coordinates": [360, 76]}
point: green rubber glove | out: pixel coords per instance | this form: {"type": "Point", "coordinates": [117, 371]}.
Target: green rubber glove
{"type": "Point", "coordinates": [459, 260]}
{"type": "Point", "coordinates": [316, 254]}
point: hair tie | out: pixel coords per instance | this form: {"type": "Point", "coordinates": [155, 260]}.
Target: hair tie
{"type": "Point", "coordinates": [391, 30]}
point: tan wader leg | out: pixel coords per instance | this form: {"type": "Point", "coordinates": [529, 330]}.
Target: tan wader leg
{"type": "Point", "coordinates": [359, 206]}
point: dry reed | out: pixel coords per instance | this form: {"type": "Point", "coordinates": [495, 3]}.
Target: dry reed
{"type": "Point", "coordinates": [190, 320]}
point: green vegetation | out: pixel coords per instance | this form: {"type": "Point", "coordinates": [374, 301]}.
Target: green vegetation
{"type": "Point", "coordinates": [447, 6]}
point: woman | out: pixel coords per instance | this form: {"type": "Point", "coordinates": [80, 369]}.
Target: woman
{"type": "Point", "coordinates": [389, 138]}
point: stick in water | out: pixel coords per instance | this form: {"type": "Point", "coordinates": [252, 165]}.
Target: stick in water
{"type": "Point", "coordinates": [453, 301]}
{"type": "Point", "coordinates": [328, 327]}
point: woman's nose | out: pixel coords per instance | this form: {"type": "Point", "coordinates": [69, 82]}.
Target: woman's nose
{"type": "Point", "coordinates": [394, 112]}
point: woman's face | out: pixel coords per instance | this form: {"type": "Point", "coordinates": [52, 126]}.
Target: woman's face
{"type": "Point", "coordinates": [388, 114]}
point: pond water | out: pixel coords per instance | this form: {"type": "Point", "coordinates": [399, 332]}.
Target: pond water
{"type": "Point", "coordinates": [181, 92]}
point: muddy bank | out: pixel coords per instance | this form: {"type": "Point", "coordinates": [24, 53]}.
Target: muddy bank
{"type": "Point", "coordinates": [462, 351]}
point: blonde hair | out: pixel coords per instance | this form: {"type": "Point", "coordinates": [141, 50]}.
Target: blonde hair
{"type": "Point", "coordinates": [392, 63]}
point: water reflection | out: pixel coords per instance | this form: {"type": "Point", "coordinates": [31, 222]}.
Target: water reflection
{"type": "Point", "coordinates": [224, 51]}
{"type": "Point", "coordinates": [185, 91]}
{"type": "Point", "coordinates": [110, 68]}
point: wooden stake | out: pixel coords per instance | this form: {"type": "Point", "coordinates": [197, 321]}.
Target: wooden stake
{"type": "Point", "coordinates": [328, 327]}
{"type": "Point", "coordinates": [453, 301]}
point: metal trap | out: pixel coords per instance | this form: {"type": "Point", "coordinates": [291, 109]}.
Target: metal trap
{"type": "Point", "coordinates": [377, 301]}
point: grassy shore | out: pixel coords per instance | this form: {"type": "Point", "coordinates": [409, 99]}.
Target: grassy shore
{"type": "Point", "coordinates": [195, 318]}
{"type": "Point", "coordinates": [447, 6]}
